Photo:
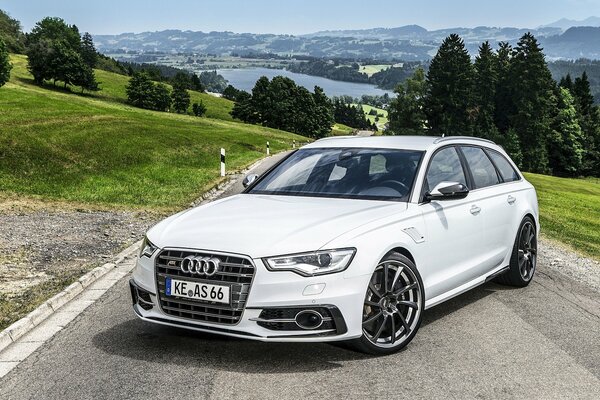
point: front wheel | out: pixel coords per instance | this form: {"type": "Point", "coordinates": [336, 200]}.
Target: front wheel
{"type": "Point", "coordinates": [393, 307]}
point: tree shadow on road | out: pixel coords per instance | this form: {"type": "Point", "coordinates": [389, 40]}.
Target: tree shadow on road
{"type": "Point", "coordinates": [147, 342]}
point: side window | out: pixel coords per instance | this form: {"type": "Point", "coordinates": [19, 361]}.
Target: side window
{"type": "Point", "coordinates": [445, 166]}
{"type": "Point", "coordinates": [506, 169]}
{"type": "Point", "coordinates": [482, 169]}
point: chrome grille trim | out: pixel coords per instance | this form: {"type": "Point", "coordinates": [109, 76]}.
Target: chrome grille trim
{"type": "Point", "coordinates": [237, 272]}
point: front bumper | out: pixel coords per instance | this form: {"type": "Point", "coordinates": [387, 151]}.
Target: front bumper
{"type": "Point", "coordinates": [340, 300]}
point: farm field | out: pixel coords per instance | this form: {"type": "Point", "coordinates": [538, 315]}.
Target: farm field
{"type": "Point", "coordinates": [372, 68]}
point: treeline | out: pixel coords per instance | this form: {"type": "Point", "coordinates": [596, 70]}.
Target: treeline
{"type": "Point", "coordinates": [340, 70]}
{"type": "Point", "coordinates": [330, 69]}
{"type": "Point", "coordinates": [143, 92]}
{"type": "Point", "coordinates": [344, 112]}
{"type": "Point", "coordinates": [506, 95]}
{"type": "Point", "coordinates": [282, 104]}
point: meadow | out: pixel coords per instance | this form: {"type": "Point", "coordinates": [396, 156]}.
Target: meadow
{"type": "Point", "coordinates": [94, 148]}
{"type": "Point", "coordinates": [570, 211]}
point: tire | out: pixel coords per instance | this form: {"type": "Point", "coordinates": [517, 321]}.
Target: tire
{"type": "Point", "coordinates": [391, 317]}
{"type": "Point", "coordinates": [523, 259]}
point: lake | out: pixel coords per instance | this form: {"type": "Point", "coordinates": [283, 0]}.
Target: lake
{"type": "Point", "coordinates": [245, 78]}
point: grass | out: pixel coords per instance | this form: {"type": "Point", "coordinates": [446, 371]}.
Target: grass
{"type": "Point", "coordinates": [341, 130]}
{"type": "Point", "coordinates": [95, 149]}
{"type": "Point", "coordinates": [570, 211]}
{"type": "Point", "coordinates": [14, 308]}
{"type": "Point", "coordinates": [382, 120]}
{"type": "Point", "coordinates": [372, 68]}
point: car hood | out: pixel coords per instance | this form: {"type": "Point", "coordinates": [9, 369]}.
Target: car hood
{"type": "Point", "coordinates": [263, 225]}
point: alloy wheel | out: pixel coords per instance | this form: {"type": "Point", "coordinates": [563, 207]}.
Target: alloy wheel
{"type": "Point", "coordinates": [392, 304]}
{"type": "Point", "coordinates": [527, 247]}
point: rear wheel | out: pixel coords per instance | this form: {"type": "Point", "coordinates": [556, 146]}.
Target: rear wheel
{"type": "Point", "coordinates": [393, 306]}
{"type": "Point", "coordinates": [523, 260]}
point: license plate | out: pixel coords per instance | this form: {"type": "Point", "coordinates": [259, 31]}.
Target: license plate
{"type": "Point", "coordinates": [197, 291]}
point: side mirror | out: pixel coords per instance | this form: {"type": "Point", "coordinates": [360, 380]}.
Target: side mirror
{"type": "Point", "coordinates": [249, 179]}
{"type": "Point", "coordinates": [447, 191]}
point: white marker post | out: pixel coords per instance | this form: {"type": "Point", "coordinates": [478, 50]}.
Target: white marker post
{"type": "Point", "coordinates": [268, 150]}
{"type": "Point", "coordinates": [294, 144]}
{"type": "Point", "coordinates": [222, 162]}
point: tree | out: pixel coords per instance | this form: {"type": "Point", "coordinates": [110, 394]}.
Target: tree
{"type": "Point", "coordinates": [199, 109]}
{"type": "Point", "coordinates": [181, 98]}
{"type": "Point", "coordinates": [11, 34]}
{"type": "Point", "coordinates": [230, 93]}
{"type": "Point", "coordinates": [143, 93]}
{"type": "Point", "coordinates": [531, 88]}
{"type": "Point", "coordinates": [503, 105]}
{"type": "Point", "coordinates": [450, 80]}
{"type": "Point", "coordinates": [405, 113]}
{"type": "Point", "coordinates": [512, 146]}
{"type": "Point", "coordinates": [567, 83]}
{"type": "Point", "coordinates": [323, 113]}
{"type": "Point", "coordinates": [282, 104]}
{"type": "Point", "coordinates": [196, 84]}
{"type": "Point", "coordinates": [565, 144]}
{"type": "Point", "coordinates": [161, 97]}
{"type": "Point", "coordinates": [56, 52]}
{"type": "Point", "coordinates": [88, 51]}
{"type": "Point", "coordinates": [5, 65]}
{"type": "Point", "coordinates": [583, 94]}
{"type": "Point", "coordinates": [484, 93]}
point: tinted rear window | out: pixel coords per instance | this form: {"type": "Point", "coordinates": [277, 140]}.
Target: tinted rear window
{"type": "Point", "coordinates": [482, 169]}
{"type": "Point", "coordinates": [508, 173]}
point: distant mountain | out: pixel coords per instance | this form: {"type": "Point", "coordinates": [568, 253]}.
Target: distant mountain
{"type": "Point", "coordinates": [577, 42]}
{"type": "Point", "coordinates": [565, 23]}
{"type": "Point", "coordinates": [407, 43]}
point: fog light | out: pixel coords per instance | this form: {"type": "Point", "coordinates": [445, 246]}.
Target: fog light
{"type": "Point", "coordinates": [309, 319]}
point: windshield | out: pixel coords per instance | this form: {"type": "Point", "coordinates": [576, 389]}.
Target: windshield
{"type": "Point", "coordinates": [373, 174]}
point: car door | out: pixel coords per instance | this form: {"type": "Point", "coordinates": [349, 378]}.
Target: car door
{"type": "Point", "coordinates": [509, 195]}
{"type": "Point", "coordinates": [454, 227]}
{"type": "Point", "coordinates": [495, 210]}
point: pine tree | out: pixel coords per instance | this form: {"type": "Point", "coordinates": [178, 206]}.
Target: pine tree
{"type": "Point", "coordinates": [503, 101]}
{"type": "Point", "coordinates": [450, 82]}
{"type": "Point", "coordinates": [567, 83]}
{"type": "Point", "coordinates": [405, 113]}
{"type": "Point", "coordinates": [323, 113]}
{"type": "Point", "coordinates": [88, 51]}
{"type": "Point", "coordinates": [5, 65]}
{"type": "Point", "coordinates": [565, 148]}
{"type": "Point", "coordinates": [583, 94]}
{"type": "Point", "coordinates": [181, 98]}
{"type": "Point", "coordinates": [531, 88]}
{"type": "Point", "coordinates": [199, 109]}
{"type": "Point", "coordinates": [484, 93]}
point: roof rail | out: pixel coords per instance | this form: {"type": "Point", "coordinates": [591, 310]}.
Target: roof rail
{"type": "Point", "coordinates": [445, 138]}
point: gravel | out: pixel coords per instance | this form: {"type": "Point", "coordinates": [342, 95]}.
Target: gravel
{"type": "Point", "coordinates": [38, 244]}
{"type": "Point", "coordinates": [558, 257]}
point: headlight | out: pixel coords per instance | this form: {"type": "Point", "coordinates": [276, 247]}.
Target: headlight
{"type": "Point", "coordinates": [314, 263]}
{"type": "Point", "coordinates": [147, 248]}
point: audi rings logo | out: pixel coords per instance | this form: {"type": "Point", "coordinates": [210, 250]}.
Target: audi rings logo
{"type": "Point", "coordinates": [207, 266]}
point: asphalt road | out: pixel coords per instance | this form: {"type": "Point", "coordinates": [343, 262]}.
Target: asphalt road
{"type": "Point", "coordinates": [542, 341]}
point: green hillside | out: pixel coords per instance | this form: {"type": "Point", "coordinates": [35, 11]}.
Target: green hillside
{"type": "Point", "coordinates": [94, 148]}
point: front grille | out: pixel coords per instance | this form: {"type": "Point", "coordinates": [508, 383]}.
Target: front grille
{"type": "Point", "coordinates": [235, 271]}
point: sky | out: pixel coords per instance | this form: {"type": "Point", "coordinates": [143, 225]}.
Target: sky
{"type": "Point", "coordinates": [294, 17]}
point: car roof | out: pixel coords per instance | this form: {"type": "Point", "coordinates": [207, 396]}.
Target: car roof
{"type": "Point", "coordinates": [422, 143]}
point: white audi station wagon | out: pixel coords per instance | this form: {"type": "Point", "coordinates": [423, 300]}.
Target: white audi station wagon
{"type": "Point", "coordinates": [346, 239]}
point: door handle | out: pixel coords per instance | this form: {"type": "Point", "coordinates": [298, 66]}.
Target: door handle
{"type": "Point", "coordinates": [511, 200]}
{"type": "Point", "coordinates": [475, 210]}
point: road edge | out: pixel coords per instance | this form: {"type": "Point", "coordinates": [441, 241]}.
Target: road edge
{"type": "Point", "coordinates": [19, 328]}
